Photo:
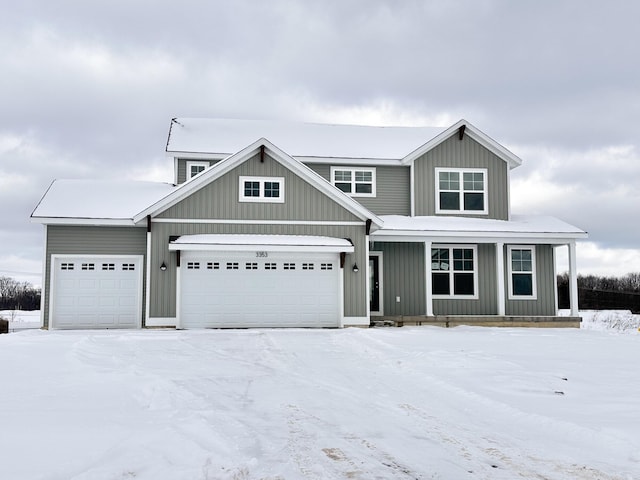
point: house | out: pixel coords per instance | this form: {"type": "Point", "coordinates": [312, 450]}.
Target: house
{"type": "Point", "coordinates": [275, 224]}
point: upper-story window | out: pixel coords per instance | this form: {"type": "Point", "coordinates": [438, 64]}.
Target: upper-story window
{"type": "Point", "coordinates": [522, 272]}
{"type": "Point", "coordinates": [262, 189]}
{"type": "Point", "coordinates": [356, 182]}
{"type": "Point", "coordinates": [194, 168]}
{"type": "Point", "coordinates": [461, 190]}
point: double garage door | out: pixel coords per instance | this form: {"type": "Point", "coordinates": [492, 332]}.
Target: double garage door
{"type": "Point", "coordinates": [96, 292]}
{"type": "Point", "coordinates": [259, 289]}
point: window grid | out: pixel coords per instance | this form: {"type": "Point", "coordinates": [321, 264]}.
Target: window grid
{"type": "Point", "coordinates": [454, 272]}
{"type": "Point", "coordinates": [232, 265]}
{"type": "Point", "coordinates": [193, 265]}
{"type": "Point", "coordinates": [270, 266]}
{"type": "Point", "coordinates": [108, 266]}
{"type": "Point", "coordinates": [289, 266]}
{"type": "Point", "coordinates": [66, 266]}
{"type": "Point", "coordinates": [213, 266]}
{"type": "Point", "coordinates": [522, 281]}
{"type": "Point", "coordinates": [128, 266]}
{"type": "Point", "coordinates": [307, 266]}
{"type": "Point", "coordinates": [461, 191]}
{"type": "Point", "coordinates": [88, 266]}
{"type": "Point", "coordinates": [251, 266]}
{"type": "Point", "coordinates": [354, 181]}
{"type": "Point", "coordinates": [326, 266]}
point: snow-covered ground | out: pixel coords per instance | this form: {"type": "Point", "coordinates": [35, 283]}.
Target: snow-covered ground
{"type": "Point", "coordinates": [21, 319]}
{"type": "Point", "coordinates": [391, 403]}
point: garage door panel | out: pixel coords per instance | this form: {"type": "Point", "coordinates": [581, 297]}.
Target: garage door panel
{"type": "Point", "coordinates": [94, 293]}
{"type": "Point", "coordinates": [281, 290]}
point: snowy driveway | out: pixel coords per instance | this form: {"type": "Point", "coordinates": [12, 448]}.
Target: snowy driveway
{"type": "Point", "coordinates": [407, 403]}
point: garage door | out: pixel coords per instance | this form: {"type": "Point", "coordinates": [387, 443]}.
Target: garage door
{"type": "Point", "coordinates": [96, 292]}
{"type": "Point", "coordinates": [259, 289]}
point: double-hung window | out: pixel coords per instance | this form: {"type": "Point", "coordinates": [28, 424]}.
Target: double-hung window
{"type": "Point", "coordinates": [461, 190]}
{"type": "Point", "coordinates": [262, 189]}
{"type": "Point", "coordinates": [195, 168]}
{"type": "Point", "coordinates": [522, 272]}
{"type": "Point", "coordinates": [356, 182]}
{"type": "Point", "coordinates": [454, 271]}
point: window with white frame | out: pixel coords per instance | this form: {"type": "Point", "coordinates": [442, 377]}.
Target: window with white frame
{"type": "Point", "coordinates": [454, 271]}
{"type": "Point", "coordinates": [522, 272]}
{"type": "Point", "coordinates": [262, 189]}
{"type": "Point", "coordinates": [356, 182]}
{"type": "Point", "coordinates": [194, 168]}
{"type": "Point", "coordinates": [461, 190]}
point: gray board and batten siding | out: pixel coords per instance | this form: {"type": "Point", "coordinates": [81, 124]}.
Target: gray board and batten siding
{"type": "Point", "coordinates": [219, 200]}
{"type": "Point", "coordinates": [163, 284]}
{"type": "Point", "coordinates": [90, 240]}
{"type": "Point", "coordinates": [181, 172]}
{"type": "Point", "coordinates": [393, 193]}
{"type": "Point", "coordinates": [404, 277]}
{"type": "Point", "coordinates": [465, 153]}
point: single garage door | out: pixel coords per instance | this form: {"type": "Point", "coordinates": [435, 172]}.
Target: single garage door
{"type": "Point", "coordinates": [96, 292]}
{"type": "Point", "coordinates": [259, 289]}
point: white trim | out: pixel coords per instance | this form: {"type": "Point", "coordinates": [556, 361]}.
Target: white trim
{"type": "Point", "coordinates": [161, 322]}
{"type": "Point", "coordinates": [508, 194]}
{"type": "Point", "coordinates": [147, 283]}
{"type": "Point", "coordinates": [178, 295]}
{"type": "Point", "coordinates": [116, 222]}
{"type": "Point", "coordinates": [178, 155]}
{"type": "Point", "coordinates": [510, 272]}
{"type": "Point", "coordinates": [175, 170]}
{"type": "Point", "coordinates": [55, 256]}
{"type": "Point", "coordinates": [473, 237]}
{"type": "Point", "coordinates": [573, 280]}
{"type": "Point", "coordinates": [412, 189]}
{"type": "Point", "coordinates": [380, 311]}
{"type": "Point", "coordinates": [367, 279]}
{"type": "Point", "coordinates": [224, 221]}
{"type": "Point", "coordinates": [451, 271]}
{"type": "Point", "coordinates": [261, 198]}
{"type": "Point", "coordinates": [500, 276]}
{"type": "Point", "coordinates": [510, 158]}
{"type": "Point", "coordinates": [355, 322]}
{"type": "Point", "coordinates": [428, 299]}
{"type": "Point", "coordinates": [43, 289]}
{"type": "Point", "coordinates": [389, 162]}
{"type": "Point", "coordinates": [462, 191]}
{"type": "Point", "coordinates": [341, 316]}
{"type": "Point", "coordinates": [354, 183]}
{"type": "Point", "coordinates": [193, 163]}
{"type": "Point", "coordinates": [200, 247]}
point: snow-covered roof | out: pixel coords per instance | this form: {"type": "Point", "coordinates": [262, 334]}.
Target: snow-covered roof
{"type": "Point", "coordinates": [267, 242]}
{"type": "Point", "coordinates": [106, 201]}
{"type": "Point", "coordinates": [520, 226]}
{"type": "Point", "coordinates": [227, 136]}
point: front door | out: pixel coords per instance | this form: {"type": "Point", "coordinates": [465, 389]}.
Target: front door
{"type": "Point", "coordinates": [375, 267]}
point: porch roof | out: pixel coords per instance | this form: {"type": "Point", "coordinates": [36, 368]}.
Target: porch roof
{"type": "Point", "coordinates": [273, 243]}
{"type": "Point", "coordinates": [530, 228]}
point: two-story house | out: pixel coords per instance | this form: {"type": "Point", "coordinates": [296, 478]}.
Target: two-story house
{"type": "Point", "coordinates": [275, 224]}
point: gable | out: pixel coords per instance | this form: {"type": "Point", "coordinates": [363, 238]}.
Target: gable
{"type": "Point", "coordinates": [220, 198]}
{"type": "Point", "coordinates": [464, 153]}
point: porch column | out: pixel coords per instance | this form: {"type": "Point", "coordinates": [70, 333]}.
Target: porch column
{"type": "Point", "coordinates": [500, 277]}
{"type": "Point", "coordinates": [427, 279]}
{"type": "Point", "coordinates": [573, 280]}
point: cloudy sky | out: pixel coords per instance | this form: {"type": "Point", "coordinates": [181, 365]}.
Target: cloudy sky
{"type": "Point", "coordinates": [87, 89]}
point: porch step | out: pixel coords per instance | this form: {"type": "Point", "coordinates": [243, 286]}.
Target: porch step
{"type": "Point", "coordinates": [448, 321]}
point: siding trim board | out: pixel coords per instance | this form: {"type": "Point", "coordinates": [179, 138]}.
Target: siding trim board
{"type": "Point", "coordinates": [223, 221]}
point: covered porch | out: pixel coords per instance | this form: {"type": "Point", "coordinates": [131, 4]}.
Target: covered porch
{"type": "Point", "coordinates": [506, 278]}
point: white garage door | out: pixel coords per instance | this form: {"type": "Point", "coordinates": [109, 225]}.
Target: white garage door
{"type": "Point", "coordinates": [96, 292]}
{"type": "Point", "coordinates": [242, 289]}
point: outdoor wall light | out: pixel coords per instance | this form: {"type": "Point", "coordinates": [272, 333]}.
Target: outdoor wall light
{"type": "Point", "coordinates": [163, 267]}
{"type": "Point", "coordinates": [355, 268]}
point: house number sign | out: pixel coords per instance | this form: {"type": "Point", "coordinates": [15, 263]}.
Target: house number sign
{"type": "Point", "coordinates": [262, 254]}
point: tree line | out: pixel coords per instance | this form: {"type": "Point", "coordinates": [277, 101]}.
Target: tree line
{"type": "Point", "coordinates": [15, 295]}
{"type": "Point", "coordinates": [629, 283]}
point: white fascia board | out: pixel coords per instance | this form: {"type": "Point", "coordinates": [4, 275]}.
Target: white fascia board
{"type": "Point", "coordinates": [196, 155]}
{"type": "Point", "coordinates": [229, 247]}
{"type": "Point", "coordinates": [476, 237]}
{"type": "Point", "coordinates": [122, 222]}
{"type": "Point", "coordinates": [394, 162]}
{"type": "Point", "coordinates": [228, 164]}
{"type": "Point", "coordinates": [483, 139]}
